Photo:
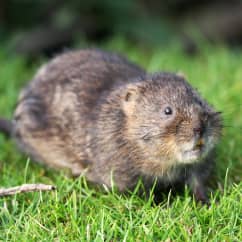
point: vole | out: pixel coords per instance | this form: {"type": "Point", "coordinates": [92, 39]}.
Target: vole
{"type": "Point", "coordinates": [104, 117]}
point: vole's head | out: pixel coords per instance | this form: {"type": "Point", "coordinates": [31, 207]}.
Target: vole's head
{"type": "Point", "coordinates": [168, 120]}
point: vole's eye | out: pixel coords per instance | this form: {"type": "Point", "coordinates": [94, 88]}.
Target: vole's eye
{"type": "Point", "coordinates": [168, 111]}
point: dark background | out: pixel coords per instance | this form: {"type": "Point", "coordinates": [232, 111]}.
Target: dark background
{"type": "Point", "coordinates": [45, 27]}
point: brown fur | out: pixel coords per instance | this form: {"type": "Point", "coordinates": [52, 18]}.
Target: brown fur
{"type": "Point", "coordinates": [102, 116]}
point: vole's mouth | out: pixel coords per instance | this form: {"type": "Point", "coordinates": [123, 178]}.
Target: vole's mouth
{"type": "Point", "coordinates": [195, 153]}
{"type": "Point", "coordinates": [192, 155]}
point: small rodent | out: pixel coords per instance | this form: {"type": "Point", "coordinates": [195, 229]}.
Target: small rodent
{"type": "Point", "coordinates": [101, 116]}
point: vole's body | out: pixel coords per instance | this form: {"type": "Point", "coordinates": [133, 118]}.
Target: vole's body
{"type": "Point", "coordinates": [102, 116]}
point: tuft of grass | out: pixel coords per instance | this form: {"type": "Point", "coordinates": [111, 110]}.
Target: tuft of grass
{"type": "Point", "coordinates": [78, 212]}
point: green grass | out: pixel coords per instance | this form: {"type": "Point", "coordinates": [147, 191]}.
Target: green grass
{"type": "Point", "coordinates": [78, 212]}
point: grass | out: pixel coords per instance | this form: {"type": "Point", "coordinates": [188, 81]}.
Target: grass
{"type": "Point", "coordinates": [78, 212]}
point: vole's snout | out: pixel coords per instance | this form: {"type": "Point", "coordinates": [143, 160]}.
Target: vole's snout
{"type": "Point", "coordinates": [198, 131]}
{"type": "Point", "coordinates": [194, 145]}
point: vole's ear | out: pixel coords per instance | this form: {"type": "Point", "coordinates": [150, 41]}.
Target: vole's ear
{"type": "Point", "coordinates": [129, 97]}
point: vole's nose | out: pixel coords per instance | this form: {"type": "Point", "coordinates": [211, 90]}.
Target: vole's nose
{"type": "Point", "coordinates": [199, 130]}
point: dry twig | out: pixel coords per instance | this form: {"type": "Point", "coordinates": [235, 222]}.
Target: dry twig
{"type": "Point", "coordinates": [25, 188]}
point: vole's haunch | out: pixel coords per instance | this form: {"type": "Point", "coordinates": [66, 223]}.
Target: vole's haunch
{"type": "Point", "coordinates": [102, 116]}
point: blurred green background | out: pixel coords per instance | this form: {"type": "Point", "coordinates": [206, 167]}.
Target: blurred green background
{"type": "Point", "coordinates": [47, 27]}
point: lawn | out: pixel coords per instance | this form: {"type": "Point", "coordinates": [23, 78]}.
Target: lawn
{"type": "Point", "coordinates": [78, 212]}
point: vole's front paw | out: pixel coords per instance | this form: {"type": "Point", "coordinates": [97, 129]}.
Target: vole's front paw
{"type": "Point", "coordinates": [201, 196]}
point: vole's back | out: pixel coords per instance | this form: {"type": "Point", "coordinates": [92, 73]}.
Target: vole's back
{"type": "Point", "coordinates": [54, 110]}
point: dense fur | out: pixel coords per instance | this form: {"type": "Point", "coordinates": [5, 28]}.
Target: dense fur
{"type": "Point", "coordinates": [101, 116]}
